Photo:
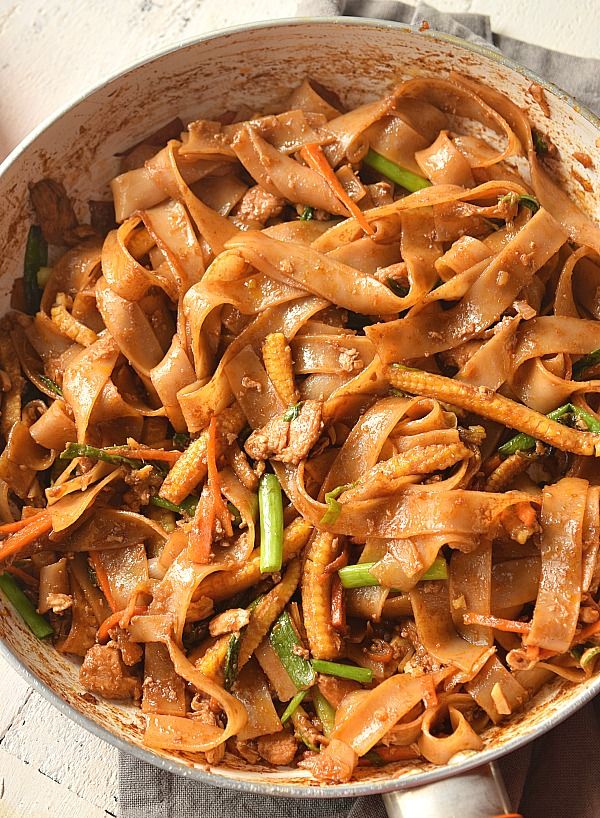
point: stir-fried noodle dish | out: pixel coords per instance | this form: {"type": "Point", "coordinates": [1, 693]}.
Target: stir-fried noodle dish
{"type": "Point", "coordinates": [301, 436]}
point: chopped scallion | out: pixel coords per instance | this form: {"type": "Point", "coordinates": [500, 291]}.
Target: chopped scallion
{"type": "Point", "coordinates": [401, 176]}
{"type": "Point", "coordinates": [325, 711]}
{"type": "Point", "coordinates": [293, 412]}
{"type": "Point", "coordinates": [360, 576]}
{"type": "Point", "coordinates": [356, 674]}
{"type": "Point", "coordinates": [74, 450]}
{"type": "Point", "coordinates": [333, 507]}
{"type": "Point", "coordinates": [270, 505]}
{"type": "Point", "coordinates": [307, 214]}
{"type": "Point", "coordinates": [585, 363]}
{"type": "Point", "coordinates": [36, 256]}
{"type": "Point", "coordinates": [187, 506]}
{"type": "Point", "coordinates": [51, 386]}
{"type": "Point", "coordinates": [293, 706]}
{"type": "Point", "coordinates": [357, 576]}
{"type": "Point", "coordinates": [523, 442]}
{"type": "Point", "coordinates": [231, 660]}
{"type": "Point", "coordinates": [286, 644]}
{"type": "Point", "coordinates": [39, 626]}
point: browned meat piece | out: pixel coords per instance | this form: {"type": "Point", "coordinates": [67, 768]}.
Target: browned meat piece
{"type": "Point", "coordinates": [131, 652]}
{"type": "Point", "coordinates": [104, 674]}
{"type": "Point", "coordinates": [204, 712]}
{"type": "Point", "coordinates": [257, 207]}
{"type": "Point", "coordinates": [245, 749]}
{"type": "Point", "coordinates": [277, 748]}
{"type": "Point", "coordinates": [287, 441]}
{"type": "Point", "coordinates": [335, 689]}
{"type": "Point", "coordinates": [102, 216]}
{"type": "Point", "coordinates": [335, 764]}
{"type": "Point", "coordinates": [55, 213]}
{"type": "Point", "coordinates": [421, 659]}
{"type": "Point", "coordinates": [229, 621]}
{"type": "Point", "coordinates": [144, 483]}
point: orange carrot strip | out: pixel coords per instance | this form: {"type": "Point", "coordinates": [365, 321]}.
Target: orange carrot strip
{"type": "Point", "coordinates": [10, 528]}
{"type": "Point", "coordinates": [36, 527]}
{"type": "Point", "coordinates": [201, 533]}
{"type": "Point", "coordinates": [508, 625]}
{"type": "Point", "coordinates": [22, 575]}
{"type": "Point", "coordinates": [220, 509]}
{"type": "Point", "coordinates": [113, 620]}
{"type": "Point", "coordinates": [173, 547]}
{"type": "Point", "coordinates": [102, 578]}
{"type": "Point", "coordinates": [340, 561]}
{"type": "Point", "coordinates": [526, 513]}
{"type": "Point", "coordinates": [585, 634]}
{"type": "Point", "coordinates": [167, 455]}
{"type": "Point", "coordinates": [316, 160]}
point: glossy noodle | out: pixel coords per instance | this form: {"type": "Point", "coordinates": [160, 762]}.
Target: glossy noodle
{"type": "Point", "coordinates": [301, 456]}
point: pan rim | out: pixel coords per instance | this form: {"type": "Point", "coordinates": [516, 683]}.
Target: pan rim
{"type": "Point", "coordinates": [351, 790]}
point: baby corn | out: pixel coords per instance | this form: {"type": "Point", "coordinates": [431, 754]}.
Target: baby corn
{"type": "Point", "coordinates": [277, 357]}
{"type": "Point", "coordinates": [227, 583]}
{"type": "Point", "coordinates": [191, 467]}
{"type": "Point", "coordinates": [488, 404]}
{"type": "Point", "coordinates": [266, 612]}
{"type": "Point", "coordinates": [323, 641]}
{"type": "Point", "coordinates": [506, 472]}
{"type": "Point", "coordinates": [70, 326]}
{"type": "Point", "coordinates": [382, 479]}
{"type": "Point", "coordinates": [212, 664]}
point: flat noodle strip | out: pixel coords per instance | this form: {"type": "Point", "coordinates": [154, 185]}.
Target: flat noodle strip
{"type": "Point", "coordinates": [431, 609]}
{"type": "Point", "coordinates": [557, 605]}
{"type": "Point", "coordinates": [491, 293]}
{"type": "Point", "coordinates": [232, 332]}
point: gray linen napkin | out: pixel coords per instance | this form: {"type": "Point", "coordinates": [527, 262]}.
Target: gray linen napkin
{"type": "Point", "coordinates": [557, 775]}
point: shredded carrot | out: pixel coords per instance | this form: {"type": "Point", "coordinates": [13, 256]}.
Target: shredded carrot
{"type": "Point", "coordinates": [526, 513]}
{"type": "Point", "coordinates": [102, 578]}
{"type": "Point", "coordinates": [10, 528]}
{"type": "Point", "coordinates": [201, 533]}
{"type": "Point", "coordinates": [132, 607]}
{"type": "Point", "coordinates": [22, 575]}
{"type": "Point", "coordinates": [339, 562]}
{"type": "Point", "coordinates": [36, 527]}
{"type": "Point", "coordinates": [113, 620]}
{"type": "Point", "coordinates": [317, 161]}
{"type": "Point", "coordinates": [508, 625]}
{"type": "Point", "coordinates": [585, 634]}
{"type": "Point", "coordinates": [167, 455]}
{"type": "Point", "coordinates": [173, 547]}
{"type": "Point", "coordinates": [220, 509]}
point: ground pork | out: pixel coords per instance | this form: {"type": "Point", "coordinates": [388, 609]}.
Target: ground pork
{"type": "Point", "coordinates": [287, 441]}
{"type": "Point", "coordinates": [104, 673]}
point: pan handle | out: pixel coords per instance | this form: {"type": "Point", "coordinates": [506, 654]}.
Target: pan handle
{"type": "Point", "coordinates": [479, 793]}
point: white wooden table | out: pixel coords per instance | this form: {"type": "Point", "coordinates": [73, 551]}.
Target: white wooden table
{"type": "Point", "coordinates": [51, 51]}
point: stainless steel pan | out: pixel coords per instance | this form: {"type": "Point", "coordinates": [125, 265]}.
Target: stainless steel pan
{"type": "Point", "coordinates": [254, 65]}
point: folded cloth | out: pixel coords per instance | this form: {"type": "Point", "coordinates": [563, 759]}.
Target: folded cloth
{"type": "Point", "coordinates": [556, 776]}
